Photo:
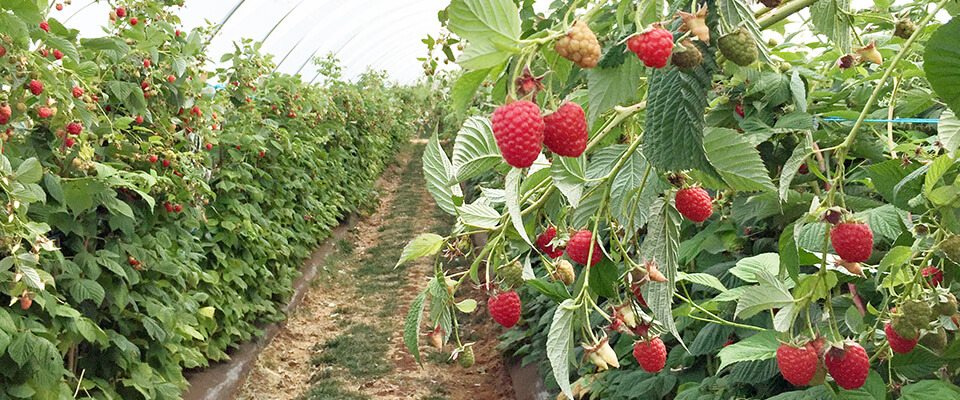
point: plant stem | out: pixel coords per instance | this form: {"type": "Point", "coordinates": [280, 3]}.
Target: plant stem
{"type": "Point", "coordinates": [784, 11]}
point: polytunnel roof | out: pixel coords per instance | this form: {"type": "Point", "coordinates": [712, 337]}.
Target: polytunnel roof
{"type": "Point", "coordinates": [384, 34]}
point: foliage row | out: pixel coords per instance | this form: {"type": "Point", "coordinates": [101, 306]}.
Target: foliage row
{"type": "Point", "coordinates": [172, 223]}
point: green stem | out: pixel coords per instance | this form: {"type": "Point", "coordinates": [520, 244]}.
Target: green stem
{"type": "Point", "coordinates": [783, 12]}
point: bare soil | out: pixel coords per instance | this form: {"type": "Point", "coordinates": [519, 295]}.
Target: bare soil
{"type": "Point", "coordinates": [360, 288]}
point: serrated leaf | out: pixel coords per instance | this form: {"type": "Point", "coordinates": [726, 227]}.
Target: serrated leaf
{"type": "Point", "coordinates": [791, 167]}
{"type": "Point", "coordinates": [424, 245]}
{"type": "Point", "coordinates": [437, 170]}
{"type": "Point", "coordinates": [917, 364]}
{"type": "Point", "coordinates": [702, 279]}
{"type": "Point", "coordinates": [560, 344]}
{"type": "Point", "coordinates": [762, 346]}
{"type": "Point", "coordinates": [568, 177]}
{"type": "Point", "coordinates": [483, 55]}
{"type": "Point", "coordinates": [411, 327]}
{"type": "Point", "coordinates": [929, 389]}
{"type": "Point", "coordinates": [949, 132]}
{"type": "Point", "coordinates": [676, 102]}
{"type": "Point", "coordinates": [830, 17]}
{"type": "Point", "coordinates": [941, 63]}
{"type": "Point", "coordinates": [479, 214]}
{"type": "Point", "coordinates": [609, 87]}
{"type": "Point", "coordinates": [475, 150]}
{"type": "Point", "coordinates": [467, 306]}
{"type": "Point", "coordinates": [784, 318]}
{"type": "Point", "coordinates": [938, 167]}
{"type": "Point", "coordinates": [884, 221]}
{"type": "Point", "coordinates": [86, 289]}
{"type": "Point", "coordinates": [512, 194]}
{"type": "Point", "coordinates": [747, 268]}
{"type": "Point", "coordinates": [769, 294]}
{"type": "Point", "coordinates": [737, 161]}
{"type": "Point", "coordinates": [494, 21]}
{"type": "Point", "coordinates": [30, 171]}
{"type": "Point", "coordinates": [464, 89]}
{"type": "Point", "coordinates": [662, 244]}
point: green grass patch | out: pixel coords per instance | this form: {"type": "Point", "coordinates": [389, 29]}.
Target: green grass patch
{"type": "Point", "coordinates": [330, 389]}
{"type": "Point", "coordinates": [359, 350]}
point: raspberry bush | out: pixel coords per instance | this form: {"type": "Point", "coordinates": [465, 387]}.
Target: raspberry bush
{"type": "Point", "coordinates": [748, 211]}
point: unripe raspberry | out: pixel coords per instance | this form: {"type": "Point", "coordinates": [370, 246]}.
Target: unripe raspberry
{"type": "Point", "coordinates": [688, 57]}
{"type": "Point", "coordinates": [565, 272]}
{"type": "Point", "coordinates": [898, 344]}
{"type": "Point", "coordinates": [739, 46]}
{"type": "Point", "coordinates": [511, 274]}
{"type": "Point", "coordinates": [579, 45]}
{"type": "Point", "coordinates": [904, 29]}
{"type": "Point", "coordinates": [518, 130]}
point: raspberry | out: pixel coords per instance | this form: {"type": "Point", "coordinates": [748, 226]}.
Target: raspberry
{"type": "Point", "coordinates": [897, 343]}
{"type": "Point", "coordinates": [44, 112]}
{"type": "Point", "coordinates": [466, 357]}
{"type": "Point", "coordinates": [518, 130]}
{"type": "Point", "coordinates": [565, 131]}
{"type": "Point", "coordinates": [57, 54]}
{"type": "Point", "coordinates": [651, 354]}
{"type": "Point", "coordinates": [689, 57]}
{"type": "Point", "coordinates": [171, 78]}
{"type": "Point", "coordinates": [904, 29]}
{"type": "Point", "coordinates": [653, 46]}
{"type": "Point", "coordinates": [121, 12]}
{"type": "Point", "coordinates": [739, 46]}
{"type": "Point", "coordinates": [797, 365]}
{"type": "Point", "coordinates": [580, 45]}
{"type": "Point", "coordinates": [77, 92]}
{"type": "Point", "coordinates": [694, 203]}
{"type": "Point", "coordinates": [168, 206]}
{"type": "Point", "coordinates": [36, 87]}
{"type": "Point", "coordinates": [947, 305]}
{"type": "Point", "coordinates": [565, 272]}
{"type": "Point", "coordinates": [853, 241]}
{"type": "Point", "coordinates": [74, 128]}
{"type": "Point", "coordinates": [934, 275]}
{"type": "Point", "coordinates": [543, 242]}
{"type": "Point", "coordinates": [739, 110]}
{"type": "Point", "coordinates": [3, 50]}
{"type": "Point", "coordinates": [505, 308]}
{"type": "Point", "coordinates": [511, 274]}
{"type": "Point", "coordinates": [209, 146]}
{"type": "Point", "coordinates": [578, 248]}
{"type": "Point", "coordinates": [134, 20]}
{"type": "Point", "coordinates": [917, 313]}
{"type": "Point", "coordinates": [153, 158]}
{"type": "Point", "coordinates": [69, 142]}
{"type": "Point", "coordinates": [903, 329]}
{"type": "Point", "coordinates": [5, 112]}
{"type": "Point", "coordinates": [951, 248]}
{"type": "Point", "coordinates": [146, 63]}
{"type": "Point", "coordinates": [45, 26]}
{"type": "Point", "coordinates": [166, 163]}
{"type": "Point", "coordinates": [936, 340]}
{"type": "Point", "coordinates": [848, 365]}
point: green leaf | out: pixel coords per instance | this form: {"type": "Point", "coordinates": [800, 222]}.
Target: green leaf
{"type": "Point", "coordinates": [424, 245]}
{"type": "Point", "coordinates": [791, 167]}
{"type": "Point", "coordinates": [475, 150]}
{"type": "Point", "coordinates": [661, 245]}
{"type": "Point", "coordinates": [461, 95]}
{"type": "Point", "coordinates": [19, 349]}
{"type": "Point", "coordinates": [789, 253]}
{"type": "Point", "coordinates": [30, 171]}
{"type": "Point", "coordinates": [799, 90]}
{"type": "Point", "coordinates": [568, 176]}
{"type": "Point", "coordinates": [676, 102]}
{"type": "Point", "coordinates": [748, 268]}
{"type": "Point", "coordinates": [736, 12]}
{"type": "Point", "coordinates": [884, 221]}
{"type": "Point", "coordinates": [737, 161]}
{"type": "Point", "coordinates": [702, 279]}
{"type": "Point", "coordinates": [917, 364]}
{"type": "Point", "coordinates": [438, 171]}
{"type": "Point", "coordinates": [941, 63]}
{"type": "Point", "coordinates": [467, 306]}
{"type": "Point", "coordinates": [483, 55]}
{"type": "Point", "coordinates": [949, 132]}
{"type": "Point", "coordinates": [894, 259]}
{"type": "Point", "coordinates": [479, 214]}
{"type": "Point", "coordinates": [762, 346]}
{"type": "Point", "coordinates": [769, 294]}
{"type": "Point", "coordinates": [873, 389]}
{"type": "Point", "coordinates": [485, 21]}
{"type": "Point", "coordinates": [931, 389]}
{"type": "Point", "coordinates": [626, 185]}
{"type": "Point", "coordinates": [710, 339]}
{"type": "Point", "coordinates": [831, 18]}
{"type": "Point", "coordinates": [938, 167]}
{"type": "Point", "coordinates": [560, 344]}
{"type": "Point", "coordinates": [512, 193]}
{"type": "Point", "coordinates": [86, 289]}
{"type": "Point", "coordinates": [609, 87]}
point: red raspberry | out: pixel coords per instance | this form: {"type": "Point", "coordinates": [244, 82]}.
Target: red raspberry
{"type": "Point", "coordinates": [178, 208]}
{"type": "Point", "coordinates": [518, 129]}
{"type": "Point", "coordinates": [853, 241]}
{"type": "Point", "coordinates": [897, 343]}
{"type": "Point", "coordinates": [74, 128]}
{"type": "Point", "coordinates": [505, 308]}
{"type": "Point", "coordinates": [694, 203]}
{"type": "Point", "coordinates": [543, 242]}
{"type": "Point", "coordinates": [168, 206]}
{"type": "Point", "coordinates": [166, 163]}
{"type": "Point", "coordinates": [134, 20]}
{"type": "Point", "coordinates": [653, 46]}
{"type": "Point", "coordinates": [45, 26]}
{"type": "Point", "coordinates": [209, 146]}
{"type": "Point", "coordinates": [797, 365]}
{"type": "Point", "coordinates": [652, 354]}
{"type": "Point", "coordinates": [848, 365]}
{"type": "Point", "coordinates": [44, 112]}
{"type": "Point", "coordinates": [121, 12]}
{"type": "Point", "coordinates": [146, 63]}
{"type": "Point", "coordinates": [565, 131]}
{"type": "Point", "coordinates": [171, 78]}
{"type": "Point", "coordinates": [154, 158]}
{"type": "Point", "coordinates": [578, 248]}
{"type": "Point", "coordinates": [69, 142]}
{"type": "Point", "coordinates": [3, 50]}
{"type": "Point", "coordinates": [77, 92]}
{"type": "Point", "coordinates": [57, 54]}
{"type": "Point", "coordinates": [36, 87]}
{"type": "Point", "coordinates": [934, 275]}
{"type": "Point", "coordinates": [739, 110]}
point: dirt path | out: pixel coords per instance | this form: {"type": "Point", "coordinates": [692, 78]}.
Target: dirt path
{"type": "Point", "coordinates": [345, 341]}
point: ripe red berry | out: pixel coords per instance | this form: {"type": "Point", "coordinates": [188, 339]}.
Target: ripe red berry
{"type": "Point", "coordinates": [797, 365]}
{"type": "Point", "coordinates": [74, 128]}
{"type": "Point", "coordinates": [77, 91]}
{"type": "Point", "coordinates": [144, 85]}
{"type": "Point", "coordinates": [505, 308]}
{"type": "Point", "coordinates": [121, 12]}
{"type": "Point", "coordinates": [853, 241]}
{"type": "Point", "coordinates": [166, 163]}
{"type": "Point", "coordinates": [25, 303]}
{"type": "Point", "coordinates": [168, 206]}
{"type": "Point", "coordinates": [196, 111]}
{"type": "Point", "coordinates": [209, 146]}
{"type": "Point", "coordinates": [44, 112]}
{"type": "Point", "coordinates": [57, 54]}
{"type": "Point", "coordinates": [177, 33]}
{"type": "Point", "coordinates": [59, 7]}
{"type": "Point", "coordinates": [934, 275]}
{"type": "Point", "coordinates": [694, 203]}
{"type": "Point", "coordinates": [3, 50]}
{"type": "Point", "coordinates": [36, 87]}
{"type": "Point", "coordinates": [518, 130]}
{"type": "Point", "coordinates": [578, 248]}
{"type": "Point", "coordinates": [897, 343]}
{"type": "Point", "coordinates": [45, 26]}
{"type": "Point", "coordinates": [739, 110]}
{"type": "Point", "coordinates": [651, 354]}
{"type": "Point", "coordinates": [171, 78]}
{"type": "Point", "coordinates": [69, 142]}
{"type": "Point", "coordinates": [178, 208]}
{"type": "Point", "coordinates": [565, 131]}
{"type": "Point", "coordinates": [139, 120]}
{"type": "Point", "coordinates": [543, 242]}
{"type": "Point", "coordinates": [154, 158]}
{"type": "Point", "coordinates": [653, 46]}
{"type": "Point", "coordinates": [45, 53]}
{"type": "Point", "coordinates": [848, 365]}
{"type": "Point", "coordinates": [803, 170]}
{"type": "Point", "coordinates": [134, 20]}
